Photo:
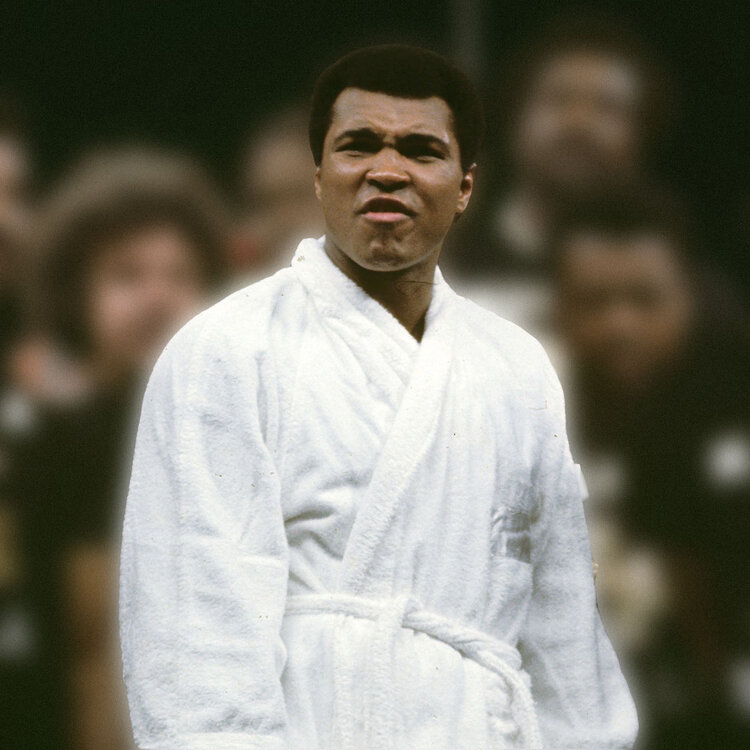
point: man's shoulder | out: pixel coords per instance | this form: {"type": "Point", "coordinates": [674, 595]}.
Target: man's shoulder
{"type": "Point", "coordinates": [509, 356]}
{"type": "Point", "coordinates": [239, 323]}
{"type": "Point", "coordinates": [251, 304]}
{"type": "Point", "coordinates": [506, 338]}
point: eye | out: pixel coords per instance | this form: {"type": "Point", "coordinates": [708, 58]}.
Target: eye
{"type": "Point", "coordinates": [358, 146]}
{"type": "Point", "coordinates": [422, 152]}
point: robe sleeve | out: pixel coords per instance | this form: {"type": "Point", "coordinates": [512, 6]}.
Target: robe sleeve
{"type": "Point", "coordinates": [204, 559]}
{"type": "Point", "coordinates": [581, 697]}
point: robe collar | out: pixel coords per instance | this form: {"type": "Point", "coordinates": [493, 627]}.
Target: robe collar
{"type": "Point", "coordinates": [337, 295]}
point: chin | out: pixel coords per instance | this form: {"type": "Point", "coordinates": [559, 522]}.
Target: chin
{"type": "Point", "coordinates": [388, 255]}
{"type": "Point", "coordinates": [378, 253]}
{"type": "Point", "coordinates": [386, 259]}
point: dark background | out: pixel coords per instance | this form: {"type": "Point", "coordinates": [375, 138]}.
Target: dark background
{"type": "Point", "coordinates": [197, 75]}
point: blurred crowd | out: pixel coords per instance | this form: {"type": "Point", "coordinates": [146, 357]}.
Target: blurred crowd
{"type": "Point", "coordinates": [572, 234]}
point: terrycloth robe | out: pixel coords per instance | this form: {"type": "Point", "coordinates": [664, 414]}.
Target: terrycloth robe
{"type": "Point", "coordinates": [339, 537]}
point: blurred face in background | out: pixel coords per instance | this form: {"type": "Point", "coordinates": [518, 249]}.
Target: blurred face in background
{"type": "Point", "coordinates": [579, 128]}
{"type": "Point", "coordinates": [625, 307]}
{"type": "Point", "coordinates": [14, 207]}
{"type": "Point", "coordinates": [140, 289]}
{"type": "Point", "coordinates": [281, 207]}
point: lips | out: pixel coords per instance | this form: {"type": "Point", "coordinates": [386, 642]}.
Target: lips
{"type": "Point", "coordinates": [385, 209]}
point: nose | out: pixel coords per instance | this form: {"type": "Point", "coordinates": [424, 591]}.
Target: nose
{"type": "Point", "coordinates": [583, 114]}
{"type": "Point", "coordinates": [387, 170]}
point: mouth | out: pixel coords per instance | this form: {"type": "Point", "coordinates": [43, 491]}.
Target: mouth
{"type": "Point", "coordinates": [385, 210]}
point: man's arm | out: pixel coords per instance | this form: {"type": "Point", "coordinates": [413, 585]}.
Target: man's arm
{"type": "Point", "coordinates": [582, 700]}
{"type": "Point", "coordinates": [204, 559]}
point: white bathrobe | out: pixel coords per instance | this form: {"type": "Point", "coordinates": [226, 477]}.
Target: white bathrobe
{"type": "Point", "coordinates": [337, 537]}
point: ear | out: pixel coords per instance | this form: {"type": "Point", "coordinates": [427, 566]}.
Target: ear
{"type": "Point", "coordinates": [467, 186]}
{"type": "Point", "coordinates": [317, 182]}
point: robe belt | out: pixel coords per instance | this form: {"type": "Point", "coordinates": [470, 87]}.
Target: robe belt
{"type": "Point", "coordinates": [403, 612]}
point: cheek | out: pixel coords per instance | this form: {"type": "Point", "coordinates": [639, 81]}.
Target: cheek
{"type": "Point", "coordinates": [618, 136]}
{"type": "Point", "coordinates": [110, 311]}
{"type": "Point", "coordinates": [332, 198]}
{"type": "Point", "coordinates": [586, 331]}
{"type": "Point", "coordinates": [536, 129]}
{"type": "Point", "coordinates": [338, 179]}
{"type": "Point", "coordinates": [442, 198]}
{"type": "Point", "coordinates": [588, 334]}
{"type": "Point", "coordinates": [665, 332]}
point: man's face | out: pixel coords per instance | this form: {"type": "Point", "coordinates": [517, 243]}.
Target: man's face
{"type": "Point", "coordinates": [281, 203]}
{"type": "Point", "coordinates": [390, 179]}
{"type": "Point", "coordinates": [580, 128]}
{"type": "Point", "coordinates": [140, 289]}
{"type": "Point", "coordinates": [625, 307]}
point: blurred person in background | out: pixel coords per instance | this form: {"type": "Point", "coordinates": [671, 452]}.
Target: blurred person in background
{"type": "Point", "coordinates": [31, 367]}
{"type": "Point", "coordinates": [278, 206]}
{"type": "Point", "coordinates": [15, 212]}
{"type": "Point", "coordinates": [130, 246]}
{"type": "Point", "coordinates": [582, 106]}
{"type": "Point", "coordinates": [16, 423]}
{"type": "Point", "coordinates": [660, 420]}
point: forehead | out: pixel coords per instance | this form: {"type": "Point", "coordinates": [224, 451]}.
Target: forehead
{"type": "Point", "coordinates": [593, 259]}
{"type": "Point", "coordinates": [148, 241]}
{"type": "Point", "coordinates": [589, 71]}
{"type": "Point", "coordinates": [356, 109]}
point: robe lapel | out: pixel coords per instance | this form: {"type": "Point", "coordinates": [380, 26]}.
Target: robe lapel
{"type": "Point", "coordinates": [413, 377]}
{"type": "Point", "coordinates": [369, 558]}
{"type": "Point", "coordinates": [379, 342]}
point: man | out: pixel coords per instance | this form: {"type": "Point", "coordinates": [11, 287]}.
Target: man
{"type": "Point", "coordinates": [663, 419]}
{"type": "Point", "coordinates": [276, 196]}
{"type": "Point", "coordinates": [15, 206]}
{"type": "Point", "coordinates": [129, 246]}
{"type": "Point", "coordinates": [583, 107]}
{"type": "Point", "coordinates": [353, 519]}
{"type": "Point", "coordinates": [16, 423]}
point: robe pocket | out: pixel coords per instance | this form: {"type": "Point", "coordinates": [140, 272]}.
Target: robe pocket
{"type": "Point", "coordinates": [511, 534]}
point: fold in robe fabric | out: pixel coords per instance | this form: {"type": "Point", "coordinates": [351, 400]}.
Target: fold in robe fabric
{"type": "Point", "coordinates": [339, 537]}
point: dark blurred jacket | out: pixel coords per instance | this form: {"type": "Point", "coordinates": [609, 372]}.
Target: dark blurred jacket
{"type": "Point", "coordinates": [65, 487]}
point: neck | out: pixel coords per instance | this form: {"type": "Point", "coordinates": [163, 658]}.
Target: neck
{"type": "Point", "coordinates": [405, 293]}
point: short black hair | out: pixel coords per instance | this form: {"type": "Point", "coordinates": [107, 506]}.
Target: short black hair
{"type": "Point", "coordinates": [111, 194]}
{"type": "Point", "coordinates": [404, 71]}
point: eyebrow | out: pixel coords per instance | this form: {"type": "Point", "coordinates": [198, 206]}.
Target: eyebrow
{"type": "Point", "coordinates": [408, 139]}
